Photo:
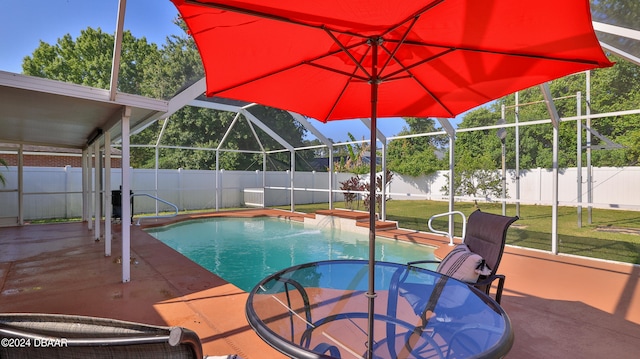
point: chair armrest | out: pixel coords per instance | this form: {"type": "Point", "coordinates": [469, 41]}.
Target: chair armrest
{"type": "Point", "coordinates": [486, 282]}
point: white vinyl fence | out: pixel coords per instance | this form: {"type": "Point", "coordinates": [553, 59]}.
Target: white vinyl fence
{"type": "Point", "coordinates": [57, 192]}
{"type": "Point", "coordinates": [612, 187]}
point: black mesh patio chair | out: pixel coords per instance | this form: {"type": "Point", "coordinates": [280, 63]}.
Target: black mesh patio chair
{"type": "Point", "coordinates": [485, 236]}
{"type": "Point", "coordinates": [481, 251]}
{"type": "Point", "coordinates": [49, 336]}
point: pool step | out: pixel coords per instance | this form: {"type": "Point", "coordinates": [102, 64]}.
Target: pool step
{"type": "Point", "coordinates": [381, 225]}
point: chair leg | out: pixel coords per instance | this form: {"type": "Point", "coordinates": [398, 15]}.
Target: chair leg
{"type": "Point", "coordinates": [501, 279]}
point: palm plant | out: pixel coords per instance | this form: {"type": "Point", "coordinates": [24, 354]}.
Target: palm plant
{"type": "Point", "coordinates": [355, 159]}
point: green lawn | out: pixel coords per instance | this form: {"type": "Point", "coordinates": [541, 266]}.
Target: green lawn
{"type": "Point", "coordinates": [609, 236]}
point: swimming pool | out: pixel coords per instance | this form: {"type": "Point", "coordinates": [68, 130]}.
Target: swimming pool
{"type": "Point", "coordinates": [243, 251]}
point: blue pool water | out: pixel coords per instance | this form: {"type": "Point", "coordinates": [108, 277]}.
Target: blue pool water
{"type": "Point", "coordinates": [245, 250]}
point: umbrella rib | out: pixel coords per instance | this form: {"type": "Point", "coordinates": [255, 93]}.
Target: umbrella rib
{"type": "Point", "coordinates": [502, 53]}
{"type": "Point", "coordinates": [346, 51]}
{"type": "Point", "coordinates": [398, 45]}
{"type": "Point", "coordinates": [345, 73]}
{"type": "Point", "coordinates": [344, 88]}
{"type": "Point", "coordinates": [335, 103]}
{"type": "Point", "coordinates": [343, 49]}
{"type": "Point", "coordinates": [530, 56]}
{"type": "Point", "coordinates": [407, 70]}
{"type": "Point", "coordinates": [416, 64]}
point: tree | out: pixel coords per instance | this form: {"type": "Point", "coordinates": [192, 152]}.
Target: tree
{"type": "Point", "coordinates": [612, 89]}
{"type": "Point", "coordinates": [163, 72]}
{"type": "Point", "coordinates": [177, 67]}
{"type": "Point", "coordinates": [416, 156]}
{"type": "Point", "coordinates": [476, 156]}
{"type": "Point", "coordinates": [204, 128]}
{"type": "Point", "coordinates": [87, 60]}
{"type": "Point", "coordinates": [621, 82]}
{"type": "Point", "coordinates": [476, 178]}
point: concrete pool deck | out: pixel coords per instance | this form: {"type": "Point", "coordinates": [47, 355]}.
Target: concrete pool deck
{"type": "Point", "coordinates": [560, 306]}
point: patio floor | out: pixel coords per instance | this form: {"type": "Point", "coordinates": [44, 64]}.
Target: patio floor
{"type": "Point", "coordinates": [560, 306]}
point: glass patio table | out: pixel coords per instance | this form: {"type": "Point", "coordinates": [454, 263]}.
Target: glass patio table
{"type": "Point", "coordinates": [320, 310]}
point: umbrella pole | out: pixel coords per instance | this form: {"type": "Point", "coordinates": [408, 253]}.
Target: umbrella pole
{"type": "Point", "coordinates": [371, 294]}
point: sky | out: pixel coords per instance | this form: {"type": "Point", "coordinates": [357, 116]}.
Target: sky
{"type": "Point", "coordinates": [24, 23]}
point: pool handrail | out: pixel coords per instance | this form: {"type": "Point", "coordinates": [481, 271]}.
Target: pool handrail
{"type": "Point", "coordinates": [449, 234]}
{"type": "Point", "coordinates": [159, 200]}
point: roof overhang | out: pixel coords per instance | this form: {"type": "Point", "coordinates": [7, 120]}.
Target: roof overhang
{"type": "Point", "coordinates": [45, 112]}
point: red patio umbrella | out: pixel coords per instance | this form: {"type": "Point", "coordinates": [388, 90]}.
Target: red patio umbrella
{"type": "Point", "coordinates": [339, 59]}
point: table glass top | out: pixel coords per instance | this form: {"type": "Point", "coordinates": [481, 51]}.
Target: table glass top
{"type": "Point", "coordinates": [321, 310]}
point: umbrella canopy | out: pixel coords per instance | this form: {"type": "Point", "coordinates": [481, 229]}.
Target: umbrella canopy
{"type": "Point", "coordinates": [337, 59]}
{"type": "Point", "coordinates": [434, 58]}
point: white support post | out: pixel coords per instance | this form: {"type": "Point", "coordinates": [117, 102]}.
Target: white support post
{"type": "Point", "coordinates": [20, 185]}
{"type": "Point", "coordinates": [555, 121]}
{"type": "Point", "coordinates": [579, 156]}
{"type": "Point", "coordinates": [517, 150]}
{"type": "Point", "coordinates": [264, 179]}
{"type": "Point", "coordinates": [117, 46]}
{"type": "Point", "coordinates": [452, 187]}
{"type": "Point", "coordinates": [313, 185]}
{"type": "Point", "coordinates": [502, 133]}
{"type": "Point", "coordinates": [217, 180]}
{"type": "Point", "coordinates": [157, 166]}
{"type": "Point", "coordinates": [180, 194]}
{"type": "Point", "coordinates": [96, 194]}
{"type": "Point", "coordinates": [383, 202]}
{"type": "Point", "coordinates": [126, 199]}
{"type": "Point", "coordinates": [90, 188]}
{"type": "Point", "coordinates": [157, 160]}
{"type": "Point", "coordinates": [554, 208]}
{"type": "Point", "coordinates": [292, 180]}
{"type": "Point", "coordinates": [107, 194]}
{"type": "Point", "coordinates": [331, 175]}
{"type": "Point", "coordinates": [85, 186]}
{"type": "Point", "coordinates": [588, 144]}
{"type": "Point", "coordinates": [67, 189]}
{"type": "Point", "coordinates": [85, 192]}
{"type": "Point", "coordinates": [451, 132]}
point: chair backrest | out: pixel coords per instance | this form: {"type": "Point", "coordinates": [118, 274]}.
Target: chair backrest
{"type": "Point", "coordinates": [486, 235]}
{"type": "Point", "coordinates": [71, 336]}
